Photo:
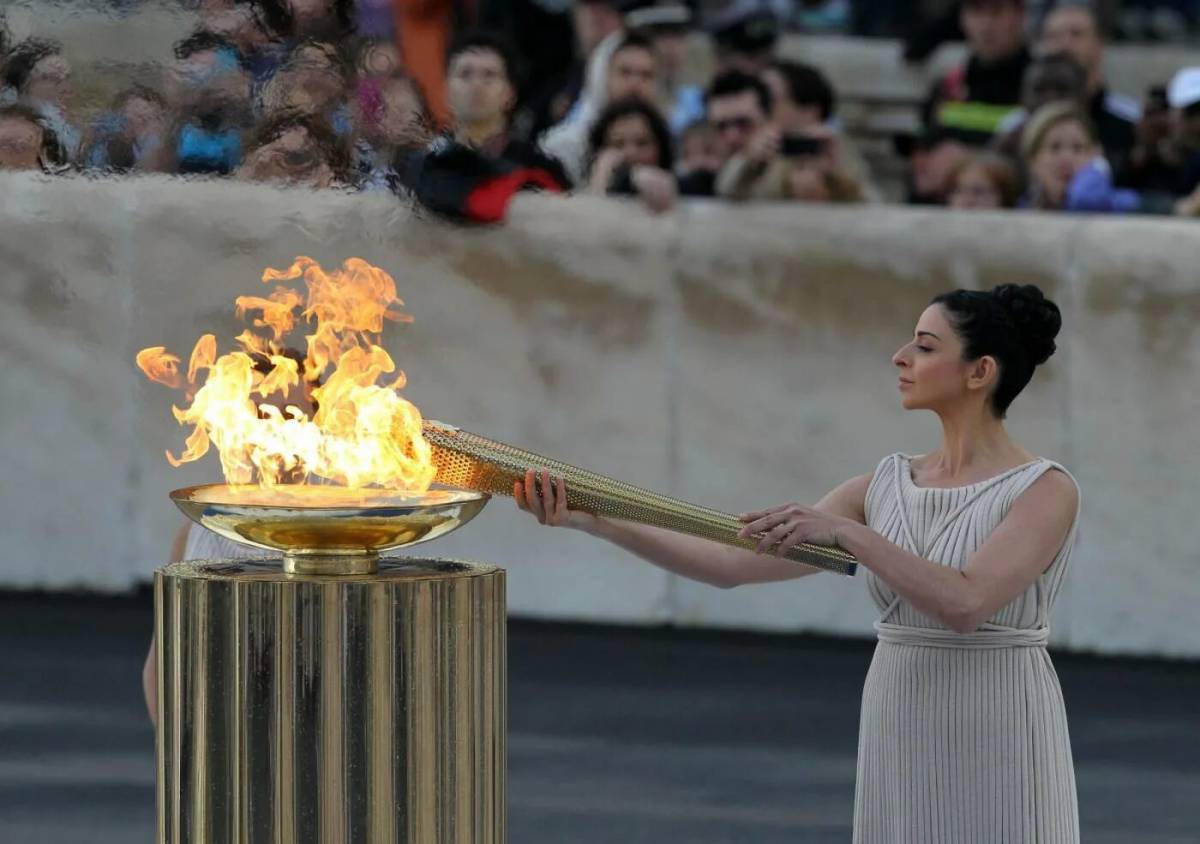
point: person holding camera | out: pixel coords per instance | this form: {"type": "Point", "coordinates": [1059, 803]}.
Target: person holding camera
{"type": "Point", "coordinates": [795, 153]}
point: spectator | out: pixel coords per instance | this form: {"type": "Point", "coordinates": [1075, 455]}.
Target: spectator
{"type": "Point", "coordinates": [25, 141]}
{"type": "Point", "coordinates": [1067, 171]}
{"type": "Point", "coordinates": [246, 29]}
{"type": "Point", "coordinates": [667, 25]}
{"type": "Point", "coordinates": [425, 29]}
{"type": "Point", "coordinates": [396, 124]}
{"type": "Point", "coordinates": [294, 148]}
{"type": "Point", "coordinates": [984, 180]}
{"type": "Point", "coordinates": [40, 75]}
{"type": "Point", "coordinates": [594, 22]}
{"type": "Point", "coordinates": [295, 20]}
{"type": "Point", "coordinates": [972, 100]}
{"type": "Point", "coordinates": [629, 153]}
{"type": "Point", "coordinates": [133, 135]}
{"type": "Point", "coordinates": [482, 92]}
{"type": "Point", "coordinates": [739, 110]}
{"type": "Point", "coordinates": [622, 66]}
{"type": "Point", "coordinates": [313, 81]}
{"type": "Point", "coordinates": [744, 35]}
{"type": "Point", "coordinates": [698, 151]}
{"type": "Point", "coordinates": [802, 105]}
{"type": "Point", "coordinates": [1074, 28]}
{"type": "Point", "coordinates": [211, 92]}
{"type": "Point", "coordinates": [933, 157]}
{"type": "Point", "coordinates": [633, 70]}
{"type": "Point", "coordinates": [1048, 79]}
{"type": "Point", "coordinates": [1165, 161]}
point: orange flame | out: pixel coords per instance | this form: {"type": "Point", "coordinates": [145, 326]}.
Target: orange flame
{"type": "Point", "coordinates": [362, 433]}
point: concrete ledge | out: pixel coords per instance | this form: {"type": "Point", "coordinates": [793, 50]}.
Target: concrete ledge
{"type": "Point", "coordinates": [733, 356]}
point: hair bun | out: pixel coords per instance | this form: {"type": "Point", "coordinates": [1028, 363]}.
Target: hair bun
{"type": "Point", "coordinates": [1036, 318]}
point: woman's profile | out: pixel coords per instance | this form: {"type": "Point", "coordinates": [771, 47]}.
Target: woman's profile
{"type": "Point", "coordinates": [963, 732]}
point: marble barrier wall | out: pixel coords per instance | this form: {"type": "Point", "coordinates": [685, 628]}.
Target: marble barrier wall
{"type": "Point", "coordinates": [732, 356]}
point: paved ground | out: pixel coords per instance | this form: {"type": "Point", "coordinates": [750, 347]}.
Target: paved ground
{"type": "Point", "coordinates": [616, 735]}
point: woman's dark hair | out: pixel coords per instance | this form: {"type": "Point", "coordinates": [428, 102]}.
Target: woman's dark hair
{"type": "Point", "coordinates": [1013, 323]}
{"type": "Point", "coordinates": [632, 107]}
{"type": "Point", "coordinates": [24, 58]}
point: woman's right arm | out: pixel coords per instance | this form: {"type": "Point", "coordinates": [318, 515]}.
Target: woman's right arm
{"type": "Point", "coordinates": [714, 563]}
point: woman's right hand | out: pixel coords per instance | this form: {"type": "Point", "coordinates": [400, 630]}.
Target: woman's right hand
{"type": "Point", "coordinates": [546, 498]}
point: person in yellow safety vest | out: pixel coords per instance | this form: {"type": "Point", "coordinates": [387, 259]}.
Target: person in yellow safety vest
{"type": "Point", "coordinates": [971, 101]}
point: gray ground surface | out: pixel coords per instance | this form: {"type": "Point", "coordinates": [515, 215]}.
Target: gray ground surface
{"type": "Point", "coordinates": [616, 735]}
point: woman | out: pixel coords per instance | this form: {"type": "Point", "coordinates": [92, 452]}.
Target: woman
{"type": "Point", "coordinates": [40, 75]}
{"type": "Point", "coordinates": [963, 734]}
{"type": "Point", "coordinates": [1067, 171]}
{"type": "Point", "coordinates": [982, 181]}
{"type": "Point", "coordinates": [630, 153]}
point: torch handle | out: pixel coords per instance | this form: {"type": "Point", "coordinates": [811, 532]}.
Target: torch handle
{"type": "Point", "coordinates": [474, 462]}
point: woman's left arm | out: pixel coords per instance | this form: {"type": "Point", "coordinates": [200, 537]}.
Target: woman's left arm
{"type": "Point", "coordinates": [1014, 556]}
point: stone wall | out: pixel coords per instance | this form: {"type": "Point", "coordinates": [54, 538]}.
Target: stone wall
{"type": "Point", "coordinates": [733, 356]}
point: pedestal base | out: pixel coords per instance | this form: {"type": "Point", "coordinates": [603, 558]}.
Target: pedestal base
{"type": "Point", "coordinates": [363, 708]}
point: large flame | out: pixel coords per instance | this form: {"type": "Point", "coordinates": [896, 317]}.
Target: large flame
{"type": "Point", "coordinates": [362, 433]}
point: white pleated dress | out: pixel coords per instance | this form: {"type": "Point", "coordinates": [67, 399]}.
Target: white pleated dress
{"type": "Point", "coordinates": [963, 737]}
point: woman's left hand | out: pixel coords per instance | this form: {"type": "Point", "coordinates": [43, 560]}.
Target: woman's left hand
{"type": "Point", "coordinates": [788, 525]}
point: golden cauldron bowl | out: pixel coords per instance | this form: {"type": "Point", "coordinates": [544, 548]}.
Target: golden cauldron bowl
{"type": "Point", "coordinates": [327, 530]}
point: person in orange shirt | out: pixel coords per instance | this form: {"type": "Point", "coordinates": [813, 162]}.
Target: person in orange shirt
{"type": "Point", "coordinates": [424, 30]}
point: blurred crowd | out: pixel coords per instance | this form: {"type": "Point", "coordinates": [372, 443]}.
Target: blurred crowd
{"type": "Point", "coordinates": [460, 106]}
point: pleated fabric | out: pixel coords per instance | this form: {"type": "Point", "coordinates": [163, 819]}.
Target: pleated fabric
{"type": "Point", "coordinates": [963, 737]}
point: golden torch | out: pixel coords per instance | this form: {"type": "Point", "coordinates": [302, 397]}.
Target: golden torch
{"type": "Point", "coordinates": [474, 462]}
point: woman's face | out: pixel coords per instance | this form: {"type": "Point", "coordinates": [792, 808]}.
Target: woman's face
{"type": "Point", "coordinates": [931, 371]}
{"type": "Point", "coordinates": [1065, 148]}
{"type": "Point", "coordinates": [50, 81]}
{"type": "Point", "coordinates": [974, 189]}
{"type": "Point", "coordinates": [632, 138]}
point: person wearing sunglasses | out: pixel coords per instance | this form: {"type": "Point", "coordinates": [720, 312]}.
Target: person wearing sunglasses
{"type": "Point", "coordinates": [739, 111]}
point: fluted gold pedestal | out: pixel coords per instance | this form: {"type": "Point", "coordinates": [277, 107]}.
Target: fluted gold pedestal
{"type": "Point", "coordinates": [358, 708]}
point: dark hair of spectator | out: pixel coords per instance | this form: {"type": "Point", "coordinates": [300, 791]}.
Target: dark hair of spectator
{"type": "Point", "coordinates": [632, 107]}
{"type": "Point", "coordinates": [807, 86]}
{"type": "Point", "coordinates": [734, 82]}
{"type": "Point", "coordinates": [52, 152]}
{"type": "Point", "coordinates": [1015, 324]}
{"type": "Point", "coordinates": [489, 42]}
{"type": "Point", "coordinates": [635, 39]}
{"type": "Point", "coordinates": [333, 150]}
{"type": "Point", "coordinates": [999, 170]}
{"type": "Point", "coordinates": [1033, 135]}
{"type": "Point", "coordinates": [139, 92]}
{"type": "Point", "coordinates": [203, 41]}
{"type": "Point", "coordinates": [992, 4]}
{"type": "Point", "coordinates": [278, 18]}
{"type": "Point", "coordinates": [24, 58]}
